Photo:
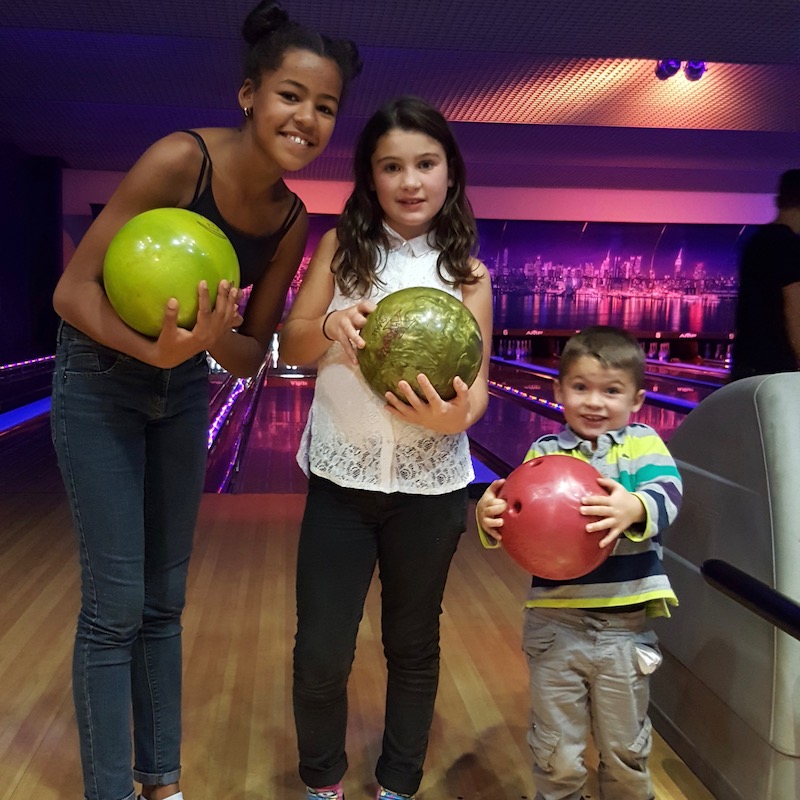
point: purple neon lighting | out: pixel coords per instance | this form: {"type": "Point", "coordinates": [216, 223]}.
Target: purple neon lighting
{"type": "Point", "coordinates": [539, 400]}
{"type": "Point", "coordinates": [30, 361]}
{"type": "Point", "coordinates": [222, 415]}
{"type": "Point", "coordinates": [239, 436]}
{"type": "Point", "coordinates": [692, 70]}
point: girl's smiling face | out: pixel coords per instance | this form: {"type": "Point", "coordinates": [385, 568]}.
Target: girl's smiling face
{"type": "Point", "coordinates": [294, 108]}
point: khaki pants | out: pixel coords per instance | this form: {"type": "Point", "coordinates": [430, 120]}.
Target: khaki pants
{"type": "Point", "coordinates": [585, 677]}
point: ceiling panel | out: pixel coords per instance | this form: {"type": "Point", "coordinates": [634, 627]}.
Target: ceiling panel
{"type": "Point", "coordinates": [545, 93]}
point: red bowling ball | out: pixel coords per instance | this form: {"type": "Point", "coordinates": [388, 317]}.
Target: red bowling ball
{"type": "Point", "coordinates": [543, 530]}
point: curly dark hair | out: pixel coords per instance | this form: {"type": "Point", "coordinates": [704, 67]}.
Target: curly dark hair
{"type": "Point", "coordinates": [360, 227]}
{"type": "Point", "coordinates": [270, 33]}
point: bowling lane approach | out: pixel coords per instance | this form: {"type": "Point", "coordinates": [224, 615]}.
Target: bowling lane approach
{"type": "Point", "coordinates": [257, 443]}
{"type": "Point", "coordinates": [256, 424]}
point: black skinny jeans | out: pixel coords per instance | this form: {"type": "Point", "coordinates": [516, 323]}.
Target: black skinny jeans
{"type": "Point", "coordinates": [413, 539]}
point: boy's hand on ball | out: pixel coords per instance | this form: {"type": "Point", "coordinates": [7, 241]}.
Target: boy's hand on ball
{"type": "Point", "coordinates": [490, 509]}
{"type": "Point", "coordinates": [619, 509]}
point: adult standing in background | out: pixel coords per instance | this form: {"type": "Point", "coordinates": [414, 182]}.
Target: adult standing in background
{"type": "Point", "coordinates": [130, 413]}
{"type": "Point", "coordinates": [768, 308]}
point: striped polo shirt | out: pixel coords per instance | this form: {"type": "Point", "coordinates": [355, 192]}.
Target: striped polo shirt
{"type": "Point", "coordinates": [636, 457]}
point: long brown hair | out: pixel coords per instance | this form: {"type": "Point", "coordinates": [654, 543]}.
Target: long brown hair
{"type": "Point", "coordinates": [360, 227]}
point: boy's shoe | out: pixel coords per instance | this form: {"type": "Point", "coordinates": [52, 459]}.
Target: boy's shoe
{"type": "Point", "coordinates": [385, 794]}
{"type": "Point", "coordinates": [328, 793]}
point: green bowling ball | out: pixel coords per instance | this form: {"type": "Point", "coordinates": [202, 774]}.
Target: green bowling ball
{"type": "Point", "coordinates": [420, 329]}
{"type": "Point", "coordinates": [164, 253]}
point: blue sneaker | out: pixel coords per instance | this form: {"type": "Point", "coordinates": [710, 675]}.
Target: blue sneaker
{"type": "Point", "coordinates": [331, 793]}
{"type": "Point", "coordinates": [385, 794]}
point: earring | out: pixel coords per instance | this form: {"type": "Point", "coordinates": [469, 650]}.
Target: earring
{"type": "Point", "coordinates": [248, 112]}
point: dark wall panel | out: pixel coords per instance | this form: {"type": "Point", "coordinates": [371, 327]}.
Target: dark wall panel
{"type": "Point", "coordinates": [30, 255]}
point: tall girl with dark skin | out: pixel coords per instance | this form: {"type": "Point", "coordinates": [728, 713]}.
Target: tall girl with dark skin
{"type": "Point", "coordinates": [130, 413]}
{"type": "Point", "coordinates": [387, 475]}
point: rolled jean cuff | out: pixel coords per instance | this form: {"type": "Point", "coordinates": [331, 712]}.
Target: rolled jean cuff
{"type": "Point", "coordinates": [157, 779]}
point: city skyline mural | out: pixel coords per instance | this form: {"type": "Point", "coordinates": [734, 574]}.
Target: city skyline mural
{"type": "Point", "coordinates": [566, 275]}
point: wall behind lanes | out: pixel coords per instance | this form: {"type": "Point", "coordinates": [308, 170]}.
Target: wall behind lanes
{"type": "Point", "coordinates": [82, 187]}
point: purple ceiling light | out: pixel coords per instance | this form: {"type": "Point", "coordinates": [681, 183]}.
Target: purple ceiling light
{"type": "Point", "coordinates": [694, 70]}
{"type": "Point", "coordinates": [666, 69]}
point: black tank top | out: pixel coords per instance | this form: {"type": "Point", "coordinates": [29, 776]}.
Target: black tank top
{"type": "Point", "coordinates": [254, 252]}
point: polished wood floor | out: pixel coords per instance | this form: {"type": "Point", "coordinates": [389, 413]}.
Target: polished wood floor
{"type": "Point", "coordinates": [239, 739]}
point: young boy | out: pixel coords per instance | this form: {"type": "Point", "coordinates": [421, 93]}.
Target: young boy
{"type": "Point", "coordinates": [590, 652]}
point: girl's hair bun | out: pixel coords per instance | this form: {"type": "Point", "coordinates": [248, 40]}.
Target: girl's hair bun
{"type": "Point", "coordinates": [266, 18]}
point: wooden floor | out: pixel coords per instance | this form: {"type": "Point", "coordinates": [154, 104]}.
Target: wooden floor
{"type": "Point", "coordinates": [239, 623]}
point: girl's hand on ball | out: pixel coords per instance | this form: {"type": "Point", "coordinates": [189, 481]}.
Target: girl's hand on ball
{"type": "Point", "coordinates": [442, 416]}
{"type": "Point", "coordinates": [213, 323]}
{"type": "Point", "coordinates": [345, 325]}
{"type": "Point", "coordinates": [170, 316]}
{"type": "Point", "coordinates": [228, 303]}
{"type": "Point", "coordinates": [174, 344]}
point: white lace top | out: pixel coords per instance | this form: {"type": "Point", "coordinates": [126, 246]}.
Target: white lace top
{"type": "Point", "coordinates": [349, 437]}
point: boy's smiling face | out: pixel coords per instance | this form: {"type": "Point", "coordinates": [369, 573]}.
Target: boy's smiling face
{"type": "Point", "coordinates": [597, 399]}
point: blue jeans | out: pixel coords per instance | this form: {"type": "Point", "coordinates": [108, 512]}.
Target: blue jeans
{"type": "Point", "coordinates": [131, 446]}
{"type": "Point", "coordinates": [344, 533]}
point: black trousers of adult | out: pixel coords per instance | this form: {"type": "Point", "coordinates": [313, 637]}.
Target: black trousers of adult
{"type": "Point", "coordinates": [344, 533]}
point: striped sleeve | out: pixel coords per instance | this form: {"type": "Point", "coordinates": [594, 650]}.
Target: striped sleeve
{"type": "Point", "coordinates": [649, 471]}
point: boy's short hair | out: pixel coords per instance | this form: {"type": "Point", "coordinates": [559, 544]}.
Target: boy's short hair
{"type": "Point", "coordinates": [613, 347]}
{"type": "Point", "coordinates": [789, 189]}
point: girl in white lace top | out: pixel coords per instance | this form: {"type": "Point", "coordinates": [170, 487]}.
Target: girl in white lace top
{"type": "Point", "coordinates": [387, 478]}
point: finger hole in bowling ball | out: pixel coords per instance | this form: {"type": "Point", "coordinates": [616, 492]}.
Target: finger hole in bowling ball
{"type": "Point", "coordinates": [543, 529]}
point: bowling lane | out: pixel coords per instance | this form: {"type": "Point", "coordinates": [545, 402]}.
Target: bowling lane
{"type": "Point", "coordinates": [25, 382]}
{"type": "Point", "coordinates": [259, 437]}
{"type": "Point", "coordinates": [521, 409]}
{"type": "Point", "coordinates": [710, 374]}
{"type": "Point", "coordinates": [661, 385]}
{"type": "Point", "coordinates": [507, 429]}
{"type": "Point", "coordinates": [527, 382]}
{"type": "Point", "coordinates": [267, 460]}
{"type": "Point", "coordinates": [264, 460]}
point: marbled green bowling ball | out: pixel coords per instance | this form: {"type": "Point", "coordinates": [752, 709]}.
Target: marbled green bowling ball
{"type": "Point", "coordinates": [416, 330]}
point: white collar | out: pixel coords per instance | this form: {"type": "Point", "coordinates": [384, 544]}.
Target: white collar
{"type": "Point", "coordinates": [418, 246]}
